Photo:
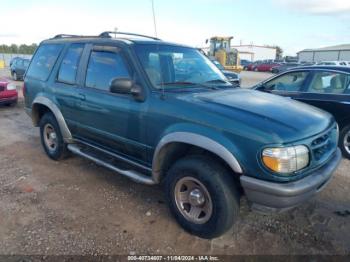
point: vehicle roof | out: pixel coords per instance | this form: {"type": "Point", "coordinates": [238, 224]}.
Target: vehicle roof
{"type": "Point", "coordinates": [124, 40]}
{"type": "Point", "coordinates": [334, 68]}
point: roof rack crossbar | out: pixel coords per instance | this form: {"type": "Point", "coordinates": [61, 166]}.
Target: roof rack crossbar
{"type": "Point", "coordinates": [73, 36]}
{"type": "Point", "coordinates": [107, 34]}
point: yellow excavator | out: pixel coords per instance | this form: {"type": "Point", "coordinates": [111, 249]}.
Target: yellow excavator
{"type": "Point", "coordinates": [220, 49]}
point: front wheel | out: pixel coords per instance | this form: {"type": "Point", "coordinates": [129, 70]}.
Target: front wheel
{"type": "Point", "coordinates": [344, 141]}
{"type": "Point", "coordinates": [202, 196]}
{"type": "Point", "coordinates": [15, 76]}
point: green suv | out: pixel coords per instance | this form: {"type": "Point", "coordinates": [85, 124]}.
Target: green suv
{"type": "Point", "coordinates": [162, 113]}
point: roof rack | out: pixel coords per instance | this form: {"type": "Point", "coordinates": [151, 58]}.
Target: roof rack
{"type": "Point", "coordinates": [107, 34]}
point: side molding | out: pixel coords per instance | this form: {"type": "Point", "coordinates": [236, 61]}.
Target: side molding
{"type": "Point", "coordinates": [41, 100]}
{"type": "Point", "coordinates": [196, 140]}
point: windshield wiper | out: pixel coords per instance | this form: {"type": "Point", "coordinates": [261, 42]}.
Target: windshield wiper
{"type": "Point", "coordinates": [217, 81]}
{"type": "Point", "coordinates": [182, 83]}
{"type": "Point", "coordinates": [185, 83]}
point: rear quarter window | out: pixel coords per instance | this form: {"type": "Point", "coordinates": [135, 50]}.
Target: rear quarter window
{"type": "Point", "coordinates": [44, 60]}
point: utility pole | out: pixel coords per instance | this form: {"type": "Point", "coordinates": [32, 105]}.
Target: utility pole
{"type": "Point", "coordinates": [154, 19]}
{"type": "Point", "coordinates": [115, 32]}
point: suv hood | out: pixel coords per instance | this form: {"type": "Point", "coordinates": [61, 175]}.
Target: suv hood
{"type": "Point", "coordinates": [277, 116]}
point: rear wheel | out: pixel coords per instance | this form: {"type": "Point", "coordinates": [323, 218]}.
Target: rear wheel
{"type": "Point", "coordinates": [202, 196]}
{"type": "Point", "coordinates": [344, 141]}
{"type": "Point", "coordinates": [11, 104]}
{"type": "Point", "coordinates": [51, 137]}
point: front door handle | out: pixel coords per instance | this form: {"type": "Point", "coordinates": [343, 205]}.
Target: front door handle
{"type": "Point", "coordinates": [81, 97]}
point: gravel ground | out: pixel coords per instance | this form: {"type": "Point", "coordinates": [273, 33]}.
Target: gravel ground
{"type": "Point", "coordinates": [76, 207]}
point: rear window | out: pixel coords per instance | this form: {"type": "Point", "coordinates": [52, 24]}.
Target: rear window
{"type": "Point", "coordinates": [43, 61]}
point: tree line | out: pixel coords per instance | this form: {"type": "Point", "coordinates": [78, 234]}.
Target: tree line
{"type": "Point", "coordinates": [18, 49]}
{"type": "Point", "coordinates": [279, 51]}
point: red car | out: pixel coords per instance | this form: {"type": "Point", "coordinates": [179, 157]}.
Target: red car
{"type": "Point", "coordinates": [252, 66]}
{"type": "Point", "coordinates": [8, 93]}
{"type": "Point", "coordinates": [266, 67]}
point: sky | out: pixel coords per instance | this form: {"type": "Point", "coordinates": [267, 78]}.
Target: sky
{"type": "Point", "coordinates": [292, 24]}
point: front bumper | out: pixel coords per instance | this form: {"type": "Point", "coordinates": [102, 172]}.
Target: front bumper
{"type": "Point", "coordinates": [271, 197]}
{"type": "Point", "coordinates": [8, 100]}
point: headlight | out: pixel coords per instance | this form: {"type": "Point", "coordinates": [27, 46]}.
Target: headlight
{"type": "Point", "coordinates": [11, 86]}
{"type": "Point", "coordinates": [286, 159]}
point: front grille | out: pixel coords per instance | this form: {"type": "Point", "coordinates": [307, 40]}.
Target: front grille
{"type": "Point", "coordinates": [324, 145]}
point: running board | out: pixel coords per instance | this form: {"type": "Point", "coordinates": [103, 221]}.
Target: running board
{"type": "Point", "coordinates": [121, 158]}
{"type": "Point", "coordinates": [133, 175]}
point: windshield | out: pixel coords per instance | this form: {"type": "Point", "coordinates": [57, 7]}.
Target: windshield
{"type": "Point", "coordinates": [218, 65]}
{"type": "Point", "coordinates": [168, 66]}
{"type": "Point", "coordinates": [26, 63]}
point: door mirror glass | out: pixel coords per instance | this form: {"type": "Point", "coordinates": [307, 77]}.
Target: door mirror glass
{"type": "Point", "coordinates": [121, 85]}
{"type": "Point", "coordinates": [127, 86]}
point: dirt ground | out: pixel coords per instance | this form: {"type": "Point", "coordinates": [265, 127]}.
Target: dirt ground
{"type": "Point", "coordinates": [76, 207]}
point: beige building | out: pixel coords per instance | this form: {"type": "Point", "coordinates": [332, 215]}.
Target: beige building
{"type": "Point", "coordinates": [331, 53]}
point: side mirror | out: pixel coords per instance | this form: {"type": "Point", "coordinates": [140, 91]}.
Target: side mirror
{"type": "Point", "coordinates": [126, 86]}
{"type": "Point", "coordinates": [263, 87]}
{"type": "Point", "coordinates": [121, 85]}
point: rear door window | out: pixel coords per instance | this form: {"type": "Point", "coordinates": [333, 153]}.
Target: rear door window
{"type": "Point", "coordinates": [69, 66]}
{"type": "Point", "coordinates": [329, 83]}
{"type": "Point", "coordinates": [43, 61]}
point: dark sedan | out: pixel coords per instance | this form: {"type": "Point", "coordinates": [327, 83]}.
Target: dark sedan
{"type": "Point", "coordinates": [284, 67]}
{"type": "Point", "coordinates": [18, 68]}
{"type": "Point", "coordinates": [232, 77]}
{"type": "Point", "coordinates": [326, 87]}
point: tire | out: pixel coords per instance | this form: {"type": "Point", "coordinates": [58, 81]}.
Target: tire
{"type": "Point", "coordinates": [220, 188]}
{"type": "Point", "coordinates": [15, 76]}
{"type": "Point", "coordinates": [48, 125]}
{"type": "Point", "coordinates": [256, 69]}
{"type": "Point", "coordinates": [344, 137]}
